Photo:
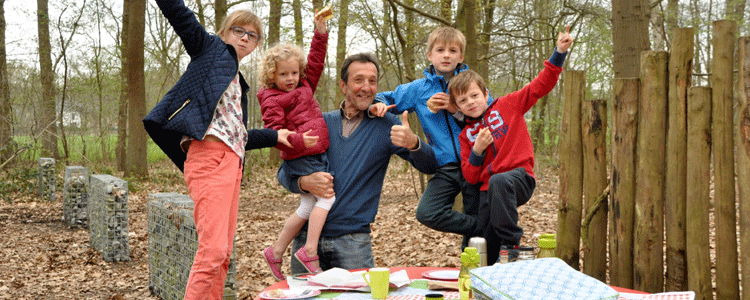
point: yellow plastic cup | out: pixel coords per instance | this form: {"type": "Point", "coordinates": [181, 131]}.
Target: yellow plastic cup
{"type": "Point", "coordinates": [378, 281]}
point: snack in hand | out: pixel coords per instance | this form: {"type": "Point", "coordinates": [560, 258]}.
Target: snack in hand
{"type": "Point", "coordinates": [432, 106]}
{"type": "Point", "coordinates": [326, 13]}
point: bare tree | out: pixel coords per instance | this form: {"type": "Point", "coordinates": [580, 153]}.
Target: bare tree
{"type": "Point", "coordinates": [122, 114]}
{"type": "Point", "coordinates": [341, 46]}
{"type": "Point", "coordinates": [47, 114]}
{"type": "Point", "coordinates": [136, 155]}
{"type": "Point", "coordinates": [298, 34]}
{"type": "Point", "coordinates": [629, 35]}
{"type": "Point", "coordinates": [6, 133]}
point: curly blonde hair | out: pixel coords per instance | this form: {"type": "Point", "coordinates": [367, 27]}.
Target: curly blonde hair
{"type": "Point", "coordinates": [277, 53]}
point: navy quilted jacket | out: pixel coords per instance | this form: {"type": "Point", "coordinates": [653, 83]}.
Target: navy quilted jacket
{"type": "Point", "coordinates": [188, 108]}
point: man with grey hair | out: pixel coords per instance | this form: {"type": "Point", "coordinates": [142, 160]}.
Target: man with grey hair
{"type": "Point", "coordinates": [358, 159]}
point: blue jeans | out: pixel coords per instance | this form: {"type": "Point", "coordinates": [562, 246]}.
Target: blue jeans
{"type": "Point", "coordinates": [349, 251]}
{"type": "Point", "coordinates": [498, 209]}
{"type": "Point", "coordinates": [435, 209]}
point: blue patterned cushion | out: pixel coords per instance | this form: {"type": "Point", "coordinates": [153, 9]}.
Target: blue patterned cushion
{"type": "Point", "coordinates": [544, 278]}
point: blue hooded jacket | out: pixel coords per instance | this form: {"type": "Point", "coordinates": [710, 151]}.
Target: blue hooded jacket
{"type": "Point", "coordinates": [441, 128]}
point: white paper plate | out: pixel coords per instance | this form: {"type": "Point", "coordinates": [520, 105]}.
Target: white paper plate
{"type": "Point", "coordinates": [288, 294]}
{"type": "Point", "coordinates": [445, 275]}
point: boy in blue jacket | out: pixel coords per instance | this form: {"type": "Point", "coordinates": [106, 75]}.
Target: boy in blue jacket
{"type": "Point", "coordinates": [429, 99]}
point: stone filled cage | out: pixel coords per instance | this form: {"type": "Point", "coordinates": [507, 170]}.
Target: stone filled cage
{"type": "Point", "coordinates": [172, 243]}
{"type": "Point", "coordinates": [46, 178]}
{"type": "Point", "coordinates": [75, 196]}
{"type": "Point", "coordinates": [108, 217]}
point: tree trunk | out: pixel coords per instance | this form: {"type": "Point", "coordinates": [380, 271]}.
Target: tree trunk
{"type": "Point", "coordinates": [742, 140]}
{"type": "Point", "coordinates": [274, 22]}
{"type": "Point", "coordinates": [220, 12]}
{"type": "Point", "coordinates": [659, 34]}
{"type": "Point", "coordinates": [446, 9]}
{"type": "Point", "coordinates": [649, 196]}
{"type": "Point", "coordinates": [6, 117]}
{"type": "Point", "coordinates": [122, 113]}
{"type": "Point", "coordinates": [467, 23]}
{"type": "Point", "coordinates": [671, 16]}
{"type": "Point", "coordinates": [722, 97]}
{"type": "Point", "coordinates": [626, 93]}
{"type": "Point", "coordinates": [341, 47]}
{"type": "Point", "coordinates": [47, 115]}
{"type": "Point", "coordinates": [698, 192]}
{"type": "Point", "coordinates": [483, 65]}
{"type": "Point", "coordinates": [274, 32]}
{"type": "Point", "coordinates": [735, 11]}
{"type": "Point", "coordinates": [680, 78]}
{"type": "Point", "coordinates": [298, 34]}
{"type": "Point", "coordinates": [629, 35]}
{"type": "Point", "coordinates": [136, 159]}
{"type": "Point", "coordinates": [571, 170]}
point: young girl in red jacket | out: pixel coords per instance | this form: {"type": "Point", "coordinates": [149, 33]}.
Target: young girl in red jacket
{"type": "Point", "coordinates": [286, 101]}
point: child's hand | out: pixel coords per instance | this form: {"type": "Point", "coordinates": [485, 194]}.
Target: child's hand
{"type": "Point", "coordinates": [564, 40]}
{"type": "Point", "coordinates": [484, 140]}
{"type": "Point", "coordinates": [320, 23]}
{"type": "Point", "coordinates": [440, 101]}
{"type": "Point", "coordinates": [379, 109]}
{"type": "Point", "coordinates": [283, 137]}
{"type": "Point", "coordinates": [310, 140]}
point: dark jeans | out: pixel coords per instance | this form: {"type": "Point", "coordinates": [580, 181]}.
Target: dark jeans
{"type": "Point", "coordinates": [498, 209]}
{"type": "Point", "coordinates": [435, 209]}
{"type": "Point", "coordinates": [349, 251]}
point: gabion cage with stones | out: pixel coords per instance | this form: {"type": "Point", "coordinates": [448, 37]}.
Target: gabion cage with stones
{"type": "Point", "coordinates": [75, 196]}
{"type": "Point", "coordinates": [46, 178]}
{"type": "Point", "coordinates": [172, 243]}
{"type": "Point", "coordinates": [108, 217]}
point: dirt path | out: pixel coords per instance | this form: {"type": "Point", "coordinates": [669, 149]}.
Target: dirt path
{"type": "Point", "coordinates": [40, 257]}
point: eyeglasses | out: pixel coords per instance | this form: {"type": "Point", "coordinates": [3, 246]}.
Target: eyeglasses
{"type": "Point", "coordinates": [240, 32]}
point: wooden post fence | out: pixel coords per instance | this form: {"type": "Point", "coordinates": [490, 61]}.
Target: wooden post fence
{"type": "Point", "coordinates": [571, 168]}
{"type": "Point", "coordinates": [594, 134]}
{"type": "Point", "coordinates": [698, 205]}
{"type": "Point", "coordinates": [626, 92]}
{"type": "Point", "coordinates": [743, 158]}
{"type": "Point", "coordinates": [722, 98]}
{"type": "Point", "coordinates": [649, 195]}
{"type": "Point", "coordinates": [680, 75]}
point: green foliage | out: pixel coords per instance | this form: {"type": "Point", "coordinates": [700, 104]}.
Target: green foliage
{"type": "Point", "coordinates": [21, 179]}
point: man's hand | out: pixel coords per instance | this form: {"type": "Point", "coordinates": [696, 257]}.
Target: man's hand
{"type": "Point", "coordinates": [319, 184]}
{"type": "Point", "coordinates": [484, 140]}
{"type": "Point", "coordinates": [283, 137]}
{"type": "Point", "coordinates": [379, 109]}
{"type": "Point", "coordinates": [310, 140]}
{"type": "Point", "coordinates": [402, 136]}
{"type": "Point", "coordinates": [564, 40]}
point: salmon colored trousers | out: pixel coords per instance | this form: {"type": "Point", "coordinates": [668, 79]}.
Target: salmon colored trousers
{"type": "Point", "coordinates": [213, 173]}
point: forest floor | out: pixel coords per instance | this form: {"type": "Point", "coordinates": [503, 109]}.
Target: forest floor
{"type": "Point", "coordinates": [43, 258]}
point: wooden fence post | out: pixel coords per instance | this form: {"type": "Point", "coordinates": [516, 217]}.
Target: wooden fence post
{"type": "Point", "coordinates": [743, 159]}
{"type": "Point", "coordinates": [680, 74]}
{"type": "Point", "coordinates": [722, 98]}
{"type": "Point", "coordinates": [648, 250]}
{"type": "Point", "coordinates": [571, 170]}
{"type": "Point", "coordinates": [698, 192]}
{"type": "Point", "coordinates": [594, 233]}
{"type": "Point", "coordinates": [622, 206]}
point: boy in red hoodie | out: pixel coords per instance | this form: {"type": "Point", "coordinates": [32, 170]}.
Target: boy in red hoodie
{"type": "Point", "coordinates": [496, 148]}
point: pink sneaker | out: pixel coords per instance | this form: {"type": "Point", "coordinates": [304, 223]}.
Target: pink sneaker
{"type": "Point", "coordinates": [272, 261]}
{"type": "Point", "coordinates": [301, 255]}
